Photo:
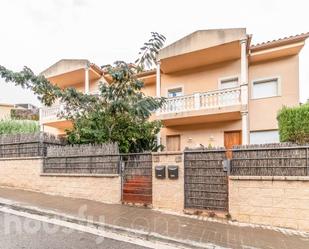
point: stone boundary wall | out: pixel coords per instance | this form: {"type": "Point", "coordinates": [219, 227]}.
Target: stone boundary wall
{"type": "Point", "coordinates": [26, 173]}
{"type": "Point", "coordinates": [270, 200]}
{"type": "Point", "coordinates": [168, 194]}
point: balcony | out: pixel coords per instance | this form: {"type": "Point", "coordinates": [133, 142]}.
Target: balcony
{"type": "Point", "coordinates": [51, 114]}
{"type": "Point", "coordinates": [208, 106]}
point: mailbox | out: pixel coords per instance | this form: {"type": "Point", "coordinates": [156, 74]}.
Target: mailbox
{"type": "Point", "coordinates": [160, 172]}
{"type": "Point", "coordinates": [172, 172]}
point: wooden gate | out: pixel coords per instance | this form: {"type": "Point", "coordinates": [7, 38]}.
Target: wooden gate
{"type": "Point", "coordinates": [137, 179]}
{"type": "Point", "coordinates": [206, 183]}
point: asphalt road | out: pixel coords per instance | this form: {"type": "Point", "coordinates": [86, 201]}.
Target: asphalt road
{"type": "Point", "coordinates": [22, 233]}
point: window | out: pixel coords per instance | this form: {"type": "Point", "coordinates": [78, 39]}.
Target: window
{"type": "Point", "coordinates": [175, 92]}
{"type": "Point", "coordinates": [265, 88]}
{"type": "Point", "coordinates": [264, 137]}
{"type": "Point", "coordinates": [228, 82]}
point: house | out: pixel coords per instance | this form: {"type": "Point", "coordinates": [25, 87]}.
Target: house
{"type": "Point", "coordinates": [5, 110]}
{"type": "Point", "coordinates": [27, 106]}
{"type": "Point", "coordinates": [221, 90]}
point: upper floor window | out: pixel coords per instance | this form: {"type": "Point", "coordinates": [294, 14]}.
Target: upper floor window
{"type": "Point", "coordinates": [228, 82]}
{"type": "Point", "coordinates": [265, 88]}
{"type": "Point", "coordinates": [175, 92]}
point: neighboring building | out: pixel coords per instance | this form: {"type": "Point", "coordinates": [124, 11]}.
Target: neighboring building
{"type": "Point", "coordinates": [220, 89]}
{"type": "Point", "coordinates": [25, 112]}
{"type": "Point", "coordinates": [27, 106]}
{"type": "Point", "coordinates": [5, 111]}
{"type": "Point", "coordinates": [19, 111]}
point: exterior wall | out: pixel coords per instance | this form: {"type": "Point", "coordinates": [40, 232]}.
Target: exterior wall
{"type": "Point", "coordinates": [275, 201]}
{"type": "Point", "coordinates": [53, 130]}
{"type": "Point", "coordinates": [200, 79]}
{"type": "Point", "coordinates": [206, 134]}
{"type": "Point", "coordinates": [263, 112]}
{"type": "Point", "coordinates": [149, 89]}
{"type": "Point", "coordinates": [168, 194]}
{"type": "Point", "coordinates": [25, 174]}
{"type": "Point", "coordinates": [5, 112]}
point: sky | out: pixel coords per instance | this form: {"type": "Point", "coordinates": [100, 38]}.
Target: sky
{"type": "Point", "coordinates": [38, 33]}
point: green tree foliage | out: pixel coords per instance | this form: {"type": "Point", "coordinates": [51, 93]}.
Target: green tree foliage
{"type": "Point", "coordinates": [119, 113]}
{"type": "Point", "coordinates": [8, 126]}
{"type": "Point", "coordinates": [294, 124]}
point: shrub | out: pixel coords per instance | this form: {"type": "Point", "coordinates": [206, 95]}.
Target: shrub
{"type": "Point", "coordinates": [18, 126]}
{"type": "Point", "coordinates": [294, 124]}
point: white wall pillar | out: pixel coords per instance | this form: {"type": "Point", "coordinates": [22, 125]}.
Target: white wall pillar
{"type": "Point", "coordinates": [158, 80]}
{"type": "Point", "coordinates": [244, 92]}
{"type": "Point", "coordinates": [87, 84]}
{"type": "Point", "coordinates": [244, 72]}
{"type": "Point", "coordinates": [158, 92]}
{"type": "Point", "coordinates": [41, 120]}
{"type": "Point", "coordinates": [245, 128]}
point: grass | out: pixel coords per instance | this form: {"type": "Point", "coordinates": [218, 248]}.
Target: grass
{"type": "Point", "coordinates": [8, 126]}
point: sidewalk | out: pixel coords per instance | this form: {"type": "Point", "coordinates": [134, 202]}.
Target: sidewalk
{"type": "Point", "coordinates": [157, 225]}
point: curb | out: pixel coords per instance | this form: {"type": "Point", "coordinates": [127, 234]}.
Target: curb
{"type": "Point", "coordinates": [133, 233]}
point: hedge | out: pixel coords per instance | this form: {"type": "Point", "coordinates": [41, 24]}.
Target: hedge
{"type": "Point", "coordinates": [8, 126]}
{"type": "Point", "coordinates": [293, 124]}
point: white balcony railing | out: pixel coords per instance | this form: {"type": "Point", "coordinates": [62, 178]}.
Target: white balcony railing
{"type": "Point", "coordinates": [198, 101]}
{"type": "Point", "coordinates": [51, 113]}
{"type": "Point", "coordinates": [192, 102]}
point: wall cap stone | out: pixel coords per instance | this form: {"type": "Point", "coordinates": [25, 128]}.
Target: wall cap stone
{"type": "Point", "coordinates": [79, 175]}
{"type": "Point", "coordinates": [270, 178]}
{"type": "Point", "coordinates": [20, 158]}
{"type": "Point", "coordinates": [167, 153]}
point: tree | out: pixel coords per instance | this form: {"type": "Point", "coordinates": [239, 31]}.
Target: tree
{"type": "Point", "coordinates": [120, 113]}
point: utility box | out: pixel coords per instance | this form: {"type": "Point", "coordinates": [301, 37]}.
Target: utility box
{"type": "Point", "coordinates": [160, 172]}
{"type": "Point", "coordinates": [173, 172]}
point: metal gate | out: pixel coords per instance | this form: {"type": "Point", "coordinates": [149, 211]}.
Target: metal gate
{"type": "Point", "coordinates": [206, 183]}
{"type": "Point", "coordinates": [137, 178]}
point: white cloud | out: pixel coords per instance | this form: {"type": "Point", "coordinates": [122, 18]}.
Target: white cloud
{"type": "Point", "coordinates": [38, 33]}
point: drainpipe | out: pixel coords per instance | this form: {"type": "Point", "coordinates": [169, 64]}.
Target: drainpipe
{"type": "Point", "coordinates": [244, 91]}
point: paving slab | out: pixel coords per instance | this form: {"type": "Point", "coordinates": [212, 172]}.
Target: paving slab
{"type": "Point", "coordinates": [176, 227]}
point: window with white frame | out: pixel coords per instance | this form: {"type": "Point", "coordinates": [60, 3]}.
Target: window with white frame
{"type": "Point", "coordinates": [228, 82]}
{"type": "Point", "coordinates": [265, 88]}
{"type": "Point", "coordinates": [175, 92]}
{"type": "Point", "coordinates": [264, 137]}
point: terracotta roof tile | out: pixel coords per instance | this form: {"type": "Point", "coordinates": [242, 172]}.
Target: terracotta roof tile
{"type": "Point", "coordinates": [280, 41]}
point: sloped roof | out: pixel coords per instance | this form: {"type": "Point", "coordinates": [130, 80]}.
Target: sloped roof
{"type": "Point", "coordinates": [280, 41]}
{"type": "Point", "coordinates": [202, 39]}
{"type": "Point", "coordinates": [66, 65]}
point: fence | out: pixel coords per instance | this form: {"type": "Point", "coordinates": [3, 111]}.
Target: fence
{"type": "Point", "coordinates": [270, 160]}
{"type": "Point", "coordinates": [26, 145]}
{"type": "Point", "coordinates": [206, 183]}
{"type": "Point", "coordinates": [82, 159]}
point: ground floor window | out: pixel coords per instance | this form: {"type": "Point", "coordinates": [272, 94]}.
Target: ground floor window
{"type": "Point", "coordinates": [264, 137]}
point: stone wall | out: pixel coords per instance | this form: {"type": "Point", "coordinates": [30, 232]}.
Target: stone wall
{"type": "Point", "coordinates": [26, 174]}
{"type": "Point", "coordinates": [166, 193]}
{"type": "Point", "coordinates": [270, 200]}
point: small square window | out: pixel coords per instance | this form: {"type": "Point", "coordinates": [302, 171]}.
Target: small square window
{"type": "Point", "coordinates": [175, 92]}
{"type": "Point", "coordinates": [265, 88]}
{"type": "Point", "coordinates": [229, 83]}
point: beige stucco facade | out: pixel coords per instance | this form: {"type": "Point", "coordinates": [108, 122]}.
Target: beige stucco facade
{"type": "Point", "coordinates": [5, 111]}
{"type": "Point", "coordinates": [191, 73]}
{"type": "Point", "coordinates": [263, 111]}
